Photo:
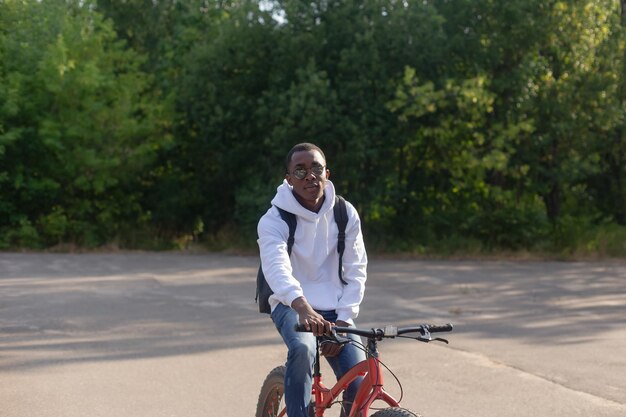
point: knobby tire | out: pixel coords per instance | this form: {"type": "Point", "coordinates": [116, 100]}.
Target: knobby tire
{"type": "Point", "coordinates": [271, 396]}
{"type": "Point", "coordinates": [395, 412]}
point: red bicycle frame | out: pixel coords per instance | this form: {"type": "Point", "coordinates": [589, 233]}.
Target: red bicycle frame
{"type": "Point", "coordinates": [370, 390]}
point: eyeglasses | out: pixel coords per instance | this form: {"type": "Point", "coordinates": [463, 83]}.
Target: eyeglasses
{"type": "Point", "coordinates": [301, 173]}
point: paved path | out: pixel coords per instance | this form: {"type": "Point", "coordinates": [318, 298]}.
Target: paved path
{"type": "Point", "coordinates": [158, 335]}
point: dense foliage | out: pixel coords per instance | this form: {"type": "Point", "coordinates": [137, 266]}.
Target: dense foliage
{"type": "Point", "coordinates": [451, 125]}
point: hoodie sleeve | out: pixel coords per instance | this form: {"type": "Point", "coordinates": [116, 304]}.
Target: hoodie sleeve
{"type": "Point", "coordinates": [354, 268]}
{"type": "Point", "coordinates": [273, 233]}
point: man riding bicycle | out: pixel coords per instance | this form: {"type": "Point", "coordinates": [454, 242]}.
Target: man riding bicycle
{"type": "Point", "coordinates": [306, 285]}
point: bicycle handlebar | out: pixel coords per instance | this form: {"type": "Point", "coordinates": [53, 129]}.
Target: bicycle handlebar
{"type": "Point", "coordinates": [387, 331]}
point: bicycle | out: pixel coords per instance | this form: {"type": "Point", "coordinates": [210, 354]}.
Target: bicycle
{"type": "Point", "coordinates": [271, 401]}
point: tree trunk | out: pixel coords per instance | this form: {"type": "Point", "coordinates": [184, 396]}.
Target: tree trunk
{"type": "Point", "coordinates": [552, 201]}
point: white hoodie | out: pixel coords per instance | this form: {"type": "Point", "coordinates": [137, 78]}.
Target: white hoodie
{"type": "Point", "coordinates": [312, 270]}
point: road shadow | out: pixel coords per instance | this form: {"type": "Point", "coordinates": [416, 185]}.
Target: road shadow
{"type": "Point", "coordinates": [63, 309]}
{"type": "Point", "coordinates": [60, 309]}
{"type": "Point", "coordinates": [565, 302]}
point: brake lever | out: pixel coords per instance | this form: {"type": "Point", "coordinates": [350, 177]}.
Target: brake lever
{"type": "Point", "coordinates": [430, 339]}
{"type": "Point", "coordinates": [335, 338]}
{"type": "Point", "coordinates": [426, 338]}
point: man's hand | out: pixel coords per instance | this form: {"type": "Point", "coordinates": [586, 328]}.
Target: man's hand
{"type": "Point", "coordinates": [311, 319]}
{"type": "Point", "coordinates": [314, 322]}
{"type": "Point", "coordinates": [333, 349]}
{"type": "Point", "coordinates": [330, 349]}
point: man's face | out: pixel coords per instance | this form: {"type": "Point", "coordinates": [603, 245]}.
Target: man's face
{"type": "Point", "coordinates": [309, 190]}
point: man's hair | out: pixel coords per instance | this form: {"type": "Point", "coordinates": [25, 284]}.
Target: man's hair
{"type": "Point", "coordinates": [305, 146]}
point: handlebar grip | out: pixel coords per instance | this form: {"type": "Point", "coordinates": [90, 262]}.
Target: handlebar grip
{"type": "Point", "coordinates": [445, 328]}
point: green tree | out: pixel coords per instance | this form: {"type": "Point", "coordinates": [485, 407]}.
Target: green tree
{"type": "Point", "coordinates": [608, 186]}
{"type": "Point", "coordinates": [79, 126]}
{"type": "Point", "coordinates": [546, 76]}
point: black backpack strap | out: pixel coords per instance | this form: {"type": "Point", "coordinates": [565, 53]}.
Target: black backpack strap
{"type": "Point", "coordinates": [341, 218]}
{"type": "Point", "coordinates": [291, 221]}
{"type": "Point", "coordinates": [263, 290]}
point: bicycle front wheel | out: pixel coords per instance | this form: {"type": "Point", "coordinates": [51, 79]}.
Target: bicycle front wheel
{"type": "Point", "coordinates": [271, 398]}
{"type": "Point", "coordinates": [395, 412]}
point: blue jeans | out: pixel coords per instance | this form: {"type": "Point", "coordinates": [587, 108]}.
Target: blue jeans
{"type": "Point", "coordinates": [301, 357]}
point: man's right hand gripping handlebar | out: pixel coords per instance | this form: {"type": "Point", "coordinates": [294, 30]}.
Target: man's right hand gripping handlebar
{"type": "Point", "coordinates": [310, 319]}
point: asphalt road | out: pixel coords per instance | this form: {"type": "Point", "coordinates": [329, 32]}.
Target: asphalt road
{"type": "Point", "coordinates": [145, 334]}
